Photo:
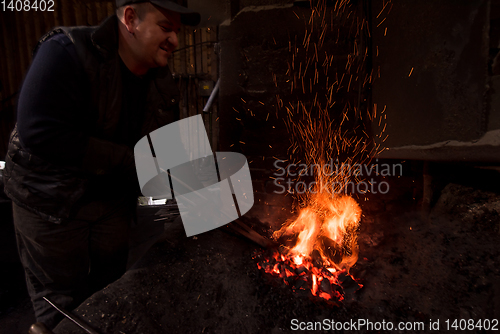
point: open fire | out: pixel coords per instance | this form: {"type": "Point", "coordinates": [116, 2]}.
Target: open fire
{"type": "Point", "coordinates": [318, 247]}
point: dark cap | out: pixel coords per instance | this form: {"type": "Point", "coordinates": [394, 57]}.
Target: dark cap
{"type": "Point", "coordinates": [188, 17]}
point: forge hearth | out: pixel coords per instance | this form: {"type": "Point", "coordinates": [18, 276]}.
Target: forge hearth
{"type": "Point", "coordinates": [412, 271]}
{"type": "Point", "coordinates": [308, 279]}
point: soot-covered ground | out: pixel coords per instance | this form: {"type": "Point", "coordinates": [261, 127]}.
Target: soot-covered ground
{"type": "Point", "coordinates": [414, 269]}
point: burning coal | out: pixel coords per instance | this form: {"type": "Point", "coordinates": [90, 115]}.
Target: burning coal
{"type": "Point", "coordinates": [302, 274]}
{"type": "Point", "coordinates": [318, 247]}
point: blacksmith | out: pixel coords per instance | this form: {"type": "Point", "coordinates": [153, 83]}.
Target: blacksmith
{"type": "Point", "coordinates": [91, 93]}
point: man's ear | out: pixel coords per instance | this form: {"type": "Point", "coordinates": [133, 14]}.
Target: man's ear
{"type": "Point", "coordinates": [130, 19]}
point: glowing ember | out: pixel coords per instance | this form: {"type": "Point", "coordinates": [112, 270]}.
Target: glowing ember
{"type": "Point", "coordinates": [323, 283]}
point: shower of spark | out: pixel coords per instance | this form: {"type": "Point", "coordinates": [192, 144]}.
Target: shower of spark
{"type": "Point", "coordinates": [331, 125]}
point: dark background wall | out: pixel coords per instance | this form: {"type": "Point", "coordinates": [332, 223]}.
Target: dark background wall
{"type": "Point", "coordinates": [446, 45]}
{"type": "Point", "coordinates": [449, 107]}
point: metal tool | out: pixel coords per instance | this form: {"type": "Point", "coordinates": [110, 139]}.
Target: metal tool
{"type": "Point", "coordinates": [78, 322]}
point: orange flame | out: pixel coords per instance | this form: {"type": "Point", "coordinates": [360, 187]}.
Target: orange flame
{"type": "Point", "coordinates": [327, 222]}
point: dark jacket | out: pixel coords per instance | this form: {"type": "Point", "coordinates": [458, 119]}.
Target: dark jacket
{"type": "Point", "coordinates": [51, 190]}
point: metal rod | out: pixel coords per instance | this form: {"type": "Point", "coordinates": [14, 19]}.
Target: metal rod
{"type": "Point", "coordinates": [78, 322]}
{"type": "Point", "coordinates": [212, 97]}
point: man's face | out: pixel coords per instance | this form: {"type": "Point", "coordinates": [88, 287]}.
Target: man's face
{"type": "Point", "coordinates": [156, 37]}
